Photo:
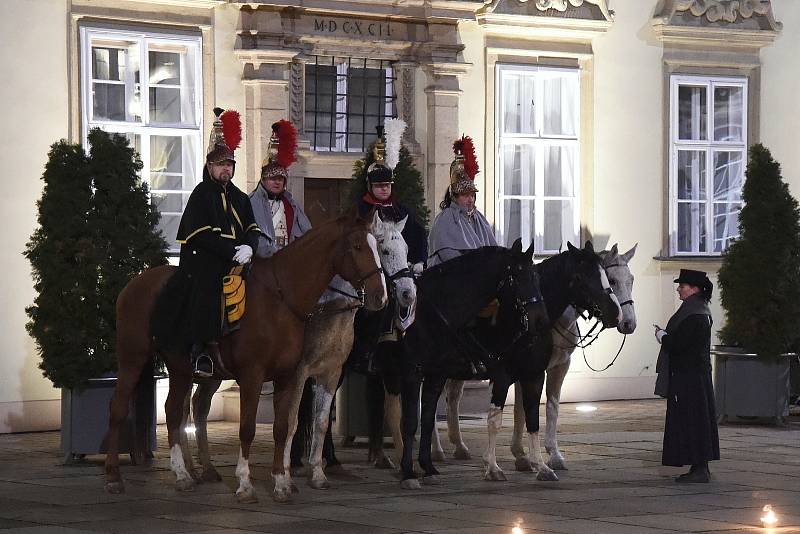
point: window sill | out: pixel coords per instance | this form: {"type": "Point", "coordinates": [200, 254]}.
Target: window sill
{"type": "Point", "coordinates": [716, 260]}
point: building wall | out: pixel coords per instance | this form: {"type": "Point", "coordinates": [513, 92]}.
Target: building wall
{"type": "Point", "coordinates": [625, 195]}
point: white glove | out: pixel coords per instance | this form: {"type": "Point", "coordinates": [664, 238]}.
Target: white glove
{"type": "Point", "coordinates": [243, 254]}
{"type": "Point", "coordinates": [660, 334]}
{"type": "Point", "coordinates": [417, 268]}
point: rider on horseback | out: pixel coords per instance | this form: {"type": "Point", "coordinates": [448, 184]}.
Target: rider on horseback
{"type": "Point", "coordinates": [279, 216]}
{"type": "Point", "coordinates": [216, 232]}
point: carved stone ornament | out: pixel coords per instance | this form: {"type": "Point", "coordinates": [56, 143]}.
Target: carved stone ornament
{"type": "Point", "coordinates": [726, 10]}
{"type": "Point", "coordinates": [543, 6]}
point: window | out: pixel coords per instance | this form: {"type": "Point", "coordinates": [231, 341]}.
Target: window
{"type": "Point", "coordinates": [538, 155]}
{"type": "Point", "coordinates": [708, 154]}
{"type": "Point", "coordinates": [147, 86]}
{"type": "Point", "coordinates": [345, 100]}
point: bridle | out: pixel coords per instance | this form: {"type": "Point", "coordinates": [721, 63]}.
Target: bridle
{"type": "Point", "coordinates": [582, 343]}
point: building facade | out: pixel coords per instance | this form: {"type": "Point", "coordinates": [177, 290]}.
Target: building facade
{"type": "Point", "coordinates": [617, 120]}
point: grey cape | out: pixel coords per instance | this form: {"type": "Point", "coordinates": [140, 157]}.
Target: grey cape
{"type": "Point", "coordinates": [454, 232]}
{"type": "Point", "coordinates": [263, 214]}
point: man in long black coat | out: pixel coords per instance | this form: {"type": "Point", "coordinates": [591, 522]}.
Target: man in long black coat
{"type": "Point", "coordinates": [217, 231]}
{"type": "Point", "coordinates": [690, 431]}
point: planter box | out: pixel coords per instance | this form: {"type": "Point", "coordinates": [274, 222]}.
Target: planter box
{"type": "Point", "coordinates": [84, 420]}
{"type": "Point", "coordinates": [748, 386]}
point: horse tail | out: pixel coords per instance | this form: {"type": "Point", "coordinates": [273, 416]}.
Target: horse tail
{"type": "Point", "coordinates": [305, 421]}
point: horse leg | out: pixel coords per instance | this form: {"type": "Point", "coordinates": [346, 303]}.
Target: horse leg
{"type": "Point", "coordinates": [323, 396]}
{"type": "Point", "coordinates": [454, 393]}
{"type": "Point", "coordinates": [410, 416]}
{"type": "Point", "coordinates": [127, 377]}
{"type": "Point", "coordinates": [180, 385]}
{"type": "Point", "coordinates": [437, 452]}
{"type": "Point", "coordinates": [305, 426]}
{"type": "Point", "coordinates": [184, 436]}
{"type": "Point", "coordinates": [431, 391]}
{"type": "Point", "coordinates": [392, 409]}
{"type": "Point", "coordinates": [555, 379]}
{"type": "Point", "coordinates": [517, 448]}
{"type": "Point", "coordinates": [494, 423]}
{"type": "Point", "coordinates": [532, 391]}
{"type": "Point", "coordinates": [249, 393]}
{"type": "Point", "coordinates": [375, 416]}
{"type": "Point", "coordinates": [287, 401]}
{"type": "Point", "coordinates": [144, 406]}
{"type": "Point", "coordinates": [201, 405]}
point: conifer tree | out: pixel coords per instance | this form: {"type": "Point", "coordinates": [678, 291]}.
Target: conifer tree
{"type": "Point", "coordinates": [408, 187]}
{"type": "Point", "coordinates": [96, 231]}
{"type": "Point", "coordinates": [760, 275]}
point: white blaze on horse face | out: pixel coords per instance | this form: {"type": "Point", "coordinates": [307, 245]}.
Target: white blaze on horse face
{"type": "Point", "coordinates": [621, 273]}
{"type": "Point", "coordinates": [607, 285]}
{"type": "Point", "coordinates": [373, 245]}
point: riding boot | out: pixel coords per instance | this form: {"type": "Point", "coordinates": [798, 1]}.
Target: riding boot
{"type": "Point", "coordinates": [698, 473]}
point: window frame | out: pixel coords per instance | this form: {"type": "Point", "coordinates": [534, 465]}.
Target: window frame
{"type": "Point", "coordinates": [537, 141]}
{"type": "Point", "coordinates": [709, 146]}
{"type": "Point", "coordinates": [190, 132]}
{"type": "Point", "coordinates": [341, 116]}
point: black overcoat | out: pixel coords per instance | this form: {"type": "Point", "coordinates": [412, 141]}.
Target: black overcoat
{"type": "Point", "coordinates": [690, 431]}
{"type": "Point", "coordinates": [215, 221]}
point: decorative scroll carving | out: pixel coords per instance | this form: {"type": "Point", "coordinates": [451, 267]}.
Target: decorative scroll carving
{"type": "Point", "coordinates": [722, 11]}
{"type": "Point", "coordinates": [407, 108]}
{"type": "Point", "coordinates": [512, 7]}
{"type": "Point", "coordinates": [297, 95]}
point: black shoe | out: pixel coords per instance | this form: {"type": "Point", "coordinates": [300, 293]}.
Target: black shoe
{"type": "Point", "coordinates": [203, 366]}
{"type": "Point", "coordinates": [701, 476]}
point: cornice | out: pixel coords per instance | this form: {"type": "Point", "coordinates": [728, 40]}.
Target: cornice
{"type": "Point", "coordinates": [714, 37]}
{"type": "Point", "coordinates": [529, 19]}
{"type": "Point", "coordinates": [732, 24]}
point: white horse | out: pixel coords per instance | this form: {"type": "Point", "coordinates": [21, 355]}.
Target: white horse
{"type": "Point", "coordinates": [621, 281]}
{"type": "Point", "coordinates": [327, 343]}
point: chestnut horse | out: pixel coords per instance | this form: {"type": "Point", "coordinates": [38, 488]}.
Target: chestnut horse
{"type": "Point", "coordinates": [282, 291]}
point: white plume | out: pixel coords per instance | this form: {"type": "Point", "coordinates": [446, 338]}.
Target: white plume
{"type": "Point", "coordinates": [394, 132]}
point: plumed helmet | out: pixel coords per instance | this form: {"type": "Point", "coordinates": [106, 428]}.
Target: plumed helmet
{"type": "Point", "coordinates": [280, 151]}
{"type": "Point", "coordinates": [379, 172]}
{"type": "Point", "coordinates": [226, 134]}
{"type": "Point", "coordinates": [464, 167]}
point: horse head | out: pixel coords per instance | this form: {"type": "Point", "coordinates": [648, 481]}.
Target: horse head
{"type": "Point", "coordinates": [589, 286]}
{"type": "Point", "coordinates": [393, 252]}
{"type": "Point", "coordinates": [621, 280]}
{"type": "Point", "coordinates": [357, 261]}
{"type": "Point", "coordinates": [525, 282]}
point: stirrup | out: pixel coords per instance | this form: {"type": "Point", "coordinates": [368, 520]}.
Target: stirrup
{"type": "Point", "coordinates": [207, 371]}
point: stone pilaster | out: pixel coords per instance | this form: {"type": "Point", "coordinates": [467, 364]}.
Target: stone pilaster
{"type": "Point", "coordinates": [405, 84]}
{"type": "Point", "coordinates": [443, 95]}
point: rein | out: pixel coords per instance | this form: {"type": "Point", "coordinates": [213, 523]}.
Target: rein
{"type": "Point", "coordinates": [581, 343]}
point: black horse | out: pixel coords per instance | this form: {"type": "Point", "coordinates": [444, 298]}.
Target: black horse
{"type": "Point", "coordinates": [572, 278]}
{"type": "Point", "coordinates": [442, 342]}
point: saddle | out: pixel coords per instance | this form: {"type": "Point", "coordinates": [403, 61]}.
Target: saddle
{"type": "Point", "coordinates": [233, 298]}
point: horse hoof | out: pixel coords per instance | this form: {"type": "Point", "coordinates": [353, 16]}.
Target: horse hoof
{"type": "Point", "coordinates": [495, 476]}
{"type": "Point", "coordinates": [523, 464]}
{"type": "Point", "coordinates": [556, 463]}
{"type": "Point", "coordinates": [438, 456]}
{"type": "Point", "coordinates": [410, 484]}
{"type": "Point", "coordinates": [384, 462]}
{"type": "Point", "coordinates": [462, 453]}
{"type": "Point", "coordinates": [319, 484]}
{"type": "Point", "coordinates": [115, 487]}
{"type": "Point", "coordinates": [246, 497]}
{"type": "Point", "coordinates": [210, 475]}
{"type": "Point", "coordinates": [431, 480]}
{"type": "Point", "coordinates": [281, 496]}
{"type": "Point", "coordinates": [546, 475]}
{"type": "Point", "coordinates": [185, 484]}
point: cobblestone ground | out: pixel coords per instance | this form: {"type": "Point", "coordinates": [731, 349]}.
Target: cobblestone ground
{"type": "Point", "coordinates": [615, 484]}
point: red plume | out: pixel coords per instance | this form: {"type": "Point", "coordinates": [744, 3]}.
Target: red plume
{"type": "Point", "coordinates": [287, 142]}
{"type": "Point", "coordinates": [470, 161]}
{"type": "Point", "coordinates": [231, 128]}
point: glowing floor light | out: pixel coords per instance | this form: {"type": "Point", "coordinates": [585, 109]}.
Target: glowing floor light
{"type": "Point", "coordinates": [586, 408]}
{"type": "Point", "coordinates": [769, 519]}
{"type": "Point", "coordinates": [517, 530]}
{"type": "Point", "coordinates": [190, 429]}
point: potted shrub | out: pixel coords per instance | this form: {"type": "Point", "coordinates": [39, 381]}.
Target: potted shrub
{"type": "Point", "coordinates": [97, 229]}
{"type": "Point", "coordinates": [759, 285]}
